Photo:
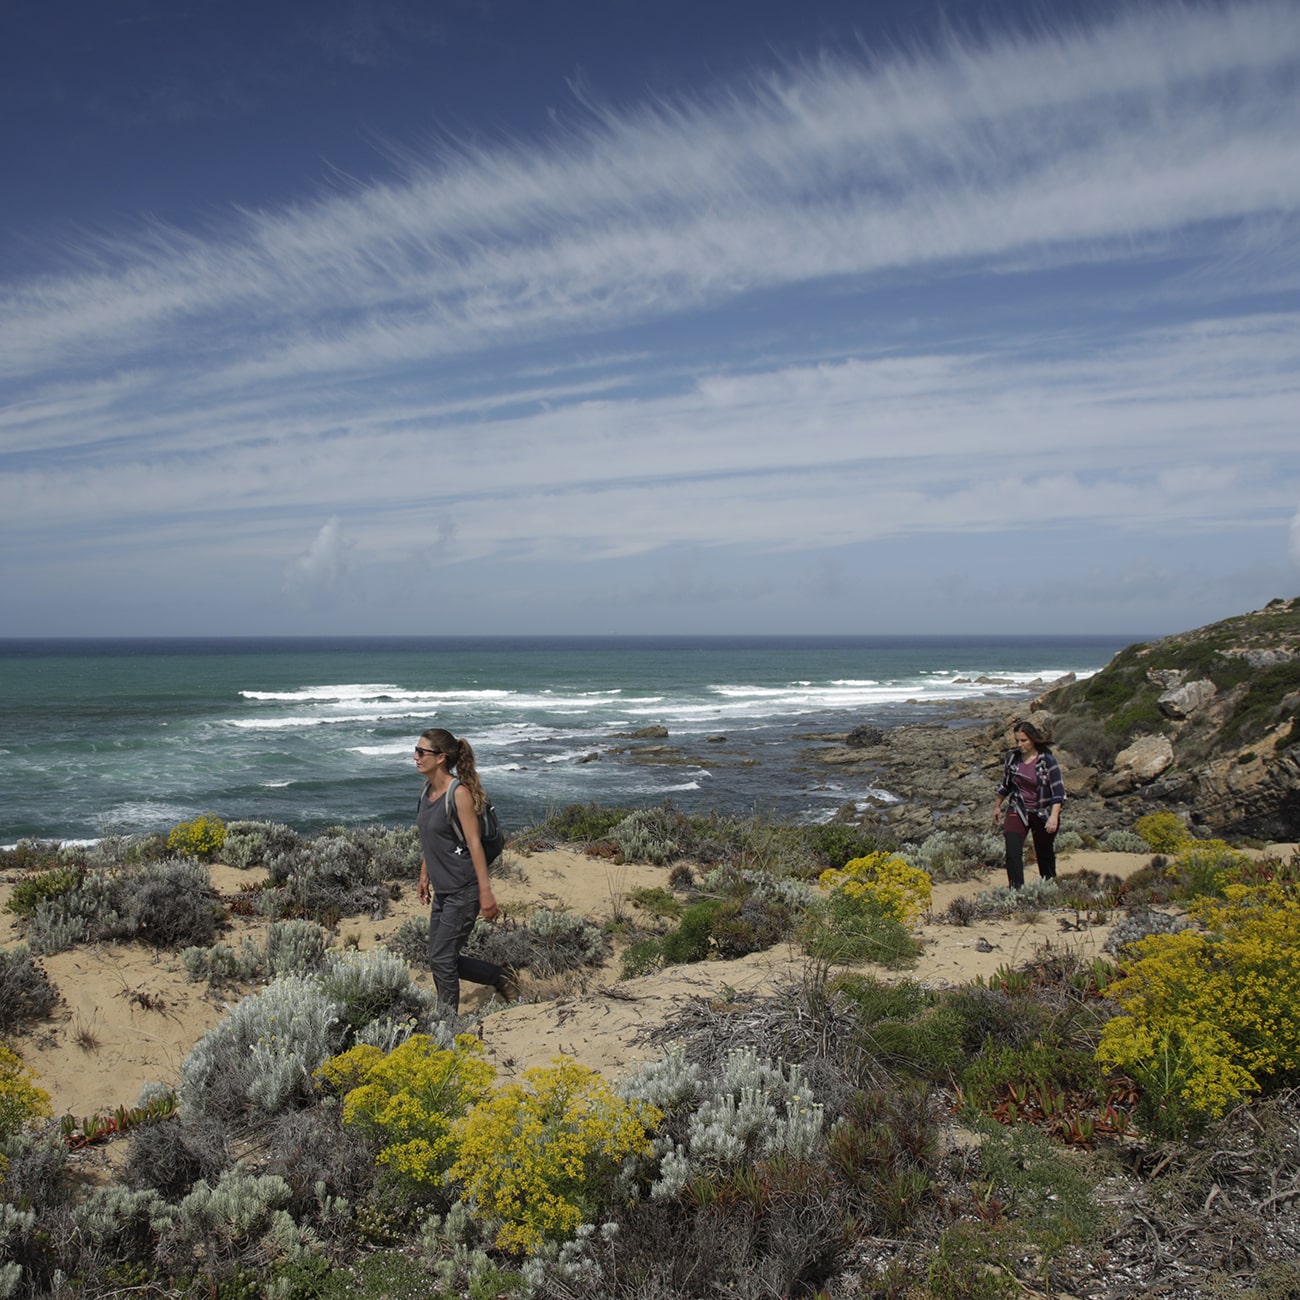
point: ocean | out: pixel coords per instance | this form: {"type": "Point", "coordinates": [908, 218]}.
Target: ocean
{"type": "Point", "coordinates": [105, 737]}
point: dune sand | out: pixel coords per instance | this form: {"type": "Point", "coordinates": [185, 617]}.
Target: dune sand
{"type": "Point", "coordinates": [130, 1014]}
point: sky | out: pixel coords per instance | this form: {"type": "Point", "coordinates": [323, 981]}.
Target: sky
{"type": "Point", "coordinates": [591, 316]}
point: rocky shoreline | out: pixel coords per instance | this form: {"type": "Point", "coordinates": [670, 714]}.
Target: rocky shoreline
{"type": "Point", "coordinates": [1205, 724]}
{"type": "Point", "coordinates": [941, 774]}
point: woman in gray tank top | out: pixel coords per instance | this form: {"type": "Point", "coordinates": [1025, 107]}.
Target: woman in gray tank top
{"type": "Point", "coordinates": [454, 872]}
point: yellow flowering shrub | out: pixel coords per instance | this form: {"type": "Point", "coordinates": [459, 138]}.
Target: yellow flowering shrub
{"type": "Point", "coordinates": [538, 1154]}
{"type": "Point", "coordinates": [200, 838]}
{"type": "Point", "coordinates": [22, 1099]}
{"type": "Point", "coordinates": [1163, 832]}
{"type": "Point", "coordinates": [1211, 1016]}
{"type": "Point", "coordinates": [884, 882]}
{"type": "Point", "coordinates": [406, 1101]}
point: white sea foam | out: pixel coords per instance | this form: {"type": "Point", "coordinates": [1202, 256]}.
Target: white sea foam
{"type": "Point", "coordinates": [355, 691]}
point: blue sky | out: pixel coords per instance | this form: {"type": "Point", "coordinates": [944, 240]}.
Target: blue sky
{"type": "Point", "coordinates": [594, 316]}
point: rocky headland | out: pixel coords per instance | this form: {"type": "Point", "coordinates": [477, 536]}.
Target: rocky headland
{"type": "Point", "coordinates": [1203, 723]}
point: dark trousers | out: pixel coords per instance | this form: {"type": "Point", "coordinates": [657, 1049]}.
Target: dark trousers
{"type": "Point", "coordinates": [1013, 833]}
{"type": "Point", "coordinates": [450, 922]}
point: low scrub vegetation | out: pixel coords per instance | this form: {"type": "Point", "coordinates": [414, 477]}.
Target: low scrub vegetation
{"type": "Point", "coordinates": [850, 1134]}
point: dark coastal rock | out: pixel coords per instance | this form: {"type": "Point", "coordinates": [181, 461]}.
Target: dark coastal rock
{"type": "Point", "coordinates": [864, 737]}
{"type": "Point", "coordinates": [645, 733]}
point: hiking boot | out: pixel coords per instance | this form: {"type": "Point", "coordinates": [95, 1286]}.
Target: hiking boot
{"type": "Point", "coordinates": [507, 985]}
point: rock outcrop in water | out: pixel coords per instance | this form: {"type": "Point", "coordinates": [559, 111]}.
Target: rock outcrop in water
{"type": "Point", "coordinates": [1205, 723]}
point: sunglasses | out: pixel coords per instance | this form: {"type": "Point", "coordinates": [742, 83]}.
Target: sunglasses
{"type": "Point", "coordinates": [424, 753]}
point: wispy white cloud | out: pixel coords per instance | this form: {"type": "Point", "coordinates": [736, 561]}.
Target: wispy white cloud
{"type": "Point", "coordinates": [1157, 122]}
{"type": "Point", "coordinates": [680, 325]}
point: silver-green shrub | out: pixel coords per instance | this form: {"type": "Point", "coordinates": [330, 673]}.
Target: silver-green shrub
{"type": "Point", "coordinates": [730, 879]}
{"type": "Point", "coordinates": [111, 1219]}
{"type": "Point", "coordinates": [15, 1226]}
{"type": "Point", "coordinates": [254, 843]}
{"type": "Point", "coordinates": [1033, 894]}
{"type": "Point", "coordinates": [668, 1083]}
{"type": "Point", "coordinates": [753, 1107]}
{"type": "Point", "coordinates": [238, 1222]}
{"type": "Point", "coordinates": [261, 1055]}
{"type": "Point", "coordinates": [89, 911]}
{"type": "Point", "coordinates": [393, 852]}
{"type": "Point", "coordinates": [642, 839]}
{"type": "Point", "coordinates": [294, 947]}
{"type": "Point", "coordinates": [168, 904]}
{"type": "Point", "coordinates": [1125, 842]}
{"type": "Point", "coordinates": [951, 855]}
{"type": "Point", "coordinates": [411, 941]}
{"type": "Point", "coordinates": [368, 985]}
{"type": "Point", "coordinates": [388, 1032]}
{"type": "Point", "coordinates": [562, 941]}
{"type": "Point", "coordinates": [1138, 925]}
{"type": "Point", "coordinates": [222, 963]}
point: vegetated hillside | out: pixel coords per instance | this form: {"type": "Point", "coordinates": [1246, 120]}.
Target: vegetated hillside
{"type": "Point", "coordinates": [1204, 721]}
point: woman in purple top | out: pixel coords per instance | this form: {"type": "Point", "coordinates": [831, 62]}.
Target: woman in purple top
{"type": "Point", "coordinates": [1032, 792]}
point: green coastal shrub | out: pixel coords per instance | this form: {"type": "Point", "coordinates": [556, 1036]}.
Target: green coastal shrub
{"type": "Point", "coordinates": [751, 923]}
{"type": "Point", "coordinates": [690, 941]}
{"type": "Point", "coordinates": [833, 845]}
{"type": "Point", "coordinates": [904, 1026]}
{"type": "Point", "coordinates": [1206, 866]}
{"type": "Point", "coordinates": [33, 890]}
{"type": "Point", "coordinates": [582, 823]}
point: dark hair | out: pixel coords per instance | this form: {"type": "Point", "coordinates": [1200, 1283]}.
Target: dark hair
{"type": "Point", "coordinates": [1041, 741]}
{"type": "Point", "coordinates": [460, 761]}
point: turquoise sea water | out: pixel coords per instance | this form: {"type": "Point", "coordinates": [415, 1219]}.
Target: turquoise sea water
{"type": "Point", "coordinates": [99, 737]}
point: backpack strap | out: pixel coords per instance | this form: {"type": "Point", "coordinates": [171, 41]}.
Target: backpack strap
{"type": "Point", "coordinates": [452, 816]}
